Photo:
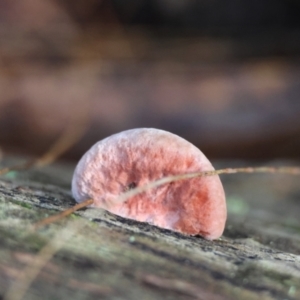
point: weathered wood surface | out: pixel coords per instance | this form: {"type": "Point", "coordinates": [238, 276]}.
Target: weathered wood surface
{"type": "Point", "coordinates": [112, 258]}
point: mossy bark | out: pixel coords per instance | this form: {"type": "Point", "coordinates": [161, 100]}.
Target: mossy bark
{"type": "Point", "coordinates": [113, 258]}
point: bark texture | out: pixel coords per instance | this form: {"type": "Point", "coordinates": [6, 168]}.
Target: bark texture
{"type": "Point", "coordinates": [109, 257]}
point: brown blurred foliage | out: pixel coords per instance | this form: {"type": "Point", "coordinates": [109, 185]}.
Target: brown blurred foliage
{"type": "Point", "coordinates": [227, 80]}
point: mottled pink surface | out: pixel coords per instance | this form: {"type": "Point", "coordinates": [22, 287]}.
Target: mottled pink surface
{"type": "Point", "coordinates": [136, 157]}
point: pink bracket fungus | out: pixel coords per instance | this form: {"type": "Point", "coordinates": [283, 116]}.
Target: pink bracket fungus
{"type": "Point", "coordinates": [134, 158]}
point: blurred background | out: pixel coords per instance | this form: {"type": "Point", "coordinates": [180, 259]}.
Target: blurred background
{"type": "Point", "coordinates": [223, 74]}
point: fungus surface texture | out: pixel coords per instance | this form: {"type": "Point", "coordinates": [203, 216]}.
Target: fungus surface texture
{"type": "Point", "coordinates": [136, 157]}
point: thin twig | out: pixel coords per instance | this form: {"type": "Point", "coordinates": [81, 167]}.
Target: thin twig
{"type": "Point", "coordinates": [123, 197]}
{"type": "Point", "coordinates": [283, 170]}
{"type": "Point", "coordinates": [24, 166]}
{"type": "Point", "coordinates": [63, 214]}
{"type": "Point", "coordinates": [75, 130]}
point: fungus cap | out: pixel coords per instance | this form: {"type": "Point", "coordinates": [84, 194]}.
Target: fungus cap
{"type": "Point", "coordinates": [136, 157]}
